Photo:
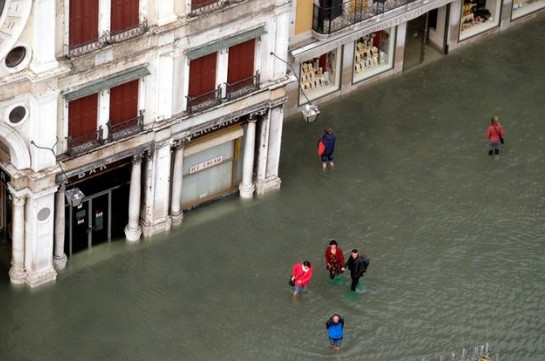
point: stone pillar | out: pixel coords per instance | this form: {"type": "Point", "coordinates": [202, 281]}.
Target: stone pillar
{"type": "Point", "coordinates": [59, 257]}
{"type": "Point", "coordinates": [133, 230]}
{"type": "Point", "coordinates": [247, 186]}
{"type": "Point", "coordinates": [176, 214]}
{"type": "Point", "coordinates": [43, 27]}
{"type": "Point", "coordinates": [17, 270]}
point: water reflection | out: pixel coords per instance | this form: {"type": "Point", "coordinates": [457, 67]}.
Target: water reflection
{"type": "Point", "coordinates": [455, 237]}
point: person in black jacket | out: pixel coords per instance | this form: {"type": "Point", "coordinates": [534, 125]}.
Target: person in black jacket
{"type": "Point", "coordinates": [329, 142]}
{"type": "Point", "coordinates": [357, 264]}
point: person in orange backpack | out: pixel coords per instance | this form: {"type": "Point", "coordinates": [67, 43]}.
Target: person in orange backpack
{"type": "Point", "coordinates": [328, 141]}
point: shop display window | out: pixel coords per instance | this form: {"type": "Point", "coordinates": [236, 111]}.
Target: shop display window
{"type": "Point", "coordinates": [373, 54]}
{"type": "Point", "coordinates": [479, 16]}
{"type": "Point", "coordinates": [320, 76]}
{"type": "Point", "coordinates": [524, 7]}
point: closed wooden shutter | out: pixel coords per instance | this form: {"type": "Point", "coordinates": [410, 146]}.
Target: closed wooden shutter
{"type": "Point", "coordinates": [83, 18]}
{"type": "Point", "coordinates": [202, 75]}
{"type": "Point", "coordinates": [82, 116]}
{"type": "Point", "coordinates": [241, 61]}
{"type": "Point", "coordinates": [195, 4]}
{"type": "Point", "coordinates": [124, 102]}
{"type": "Point", "coordinates": [124, 15]}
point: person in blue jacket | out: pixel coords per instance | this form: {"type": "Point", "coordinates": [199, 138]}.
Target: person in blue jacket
{"type": "Point", "coordinates": [335, 326]}
{"type": "Point", "coordinates": [329, 141]}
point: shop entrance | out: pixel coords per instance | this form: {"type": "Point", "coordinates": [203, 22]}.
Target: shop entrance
{"type": "Point", "coordinates": [425, 39]}
{"type": "Point", "coordinates": [89, 224]}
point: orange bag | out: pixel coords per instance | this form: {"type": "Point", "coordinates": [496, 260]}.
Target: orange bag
{"type": "Point", "coordinates": [321, 148]}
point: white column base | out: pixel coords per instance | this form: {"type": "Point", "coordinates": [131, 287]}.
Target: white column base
{"type": "Point", "coordinates": [36, 279]}
{"type": "Point", "coordinates": [59, 262]}
{"type": "Point", "coordinates": [17, 276]}
{"type": "Point", "coordinates": [133, 235]}
{"type": "Point", "coordinates": [177, 219]}
{"type": "Point", "coordinates": [267, 185]}
{"type": "Point", "coordinates": [246, 191]}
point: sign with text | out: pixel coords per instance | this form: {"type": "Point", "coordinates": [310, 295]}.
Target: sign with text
{"type": "Point", "coordinates": [206, 164]}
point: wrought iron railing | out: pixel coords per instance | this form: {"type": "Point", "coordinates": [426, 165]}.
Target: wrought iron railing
{"type": "Point", "coordinates": [125, 129]}
{"type": "Point", "coordinates": [204, 101]}
{"type": "Point", "coordinates": [84, 143]}
{"type": "Point", "coordinates": [125, 34]}
{"type": "Point", "coordinates": [242, 87]}
{"type": "Point", "coordinates": [108, 38]}
{"type": "Point", "coordinates": [327, 20]}
{"type": "Point", "coordinates": [209, 6]}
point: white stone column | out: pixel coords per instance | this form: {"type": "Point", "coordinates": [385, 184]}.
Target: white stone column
{"type": "Point", "coordinates": [165, 12]}
{"type": "Point", "coordinates": [176, 214]}
{"type": "Point", "coordinates": [17, 270]}
{"type": "Point", "coordinates": [59, 257]}
{"type": "Point", "coordinates": [43, 28]}
{"type": "Point", "coordinates": [247, 186]}
{"type": "Point", "coordinates": [133, 230]}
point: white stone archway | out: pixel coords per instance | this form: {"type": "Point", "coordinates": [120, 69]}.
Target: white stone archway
{"type": "Point", "coordinates": [18, 150]}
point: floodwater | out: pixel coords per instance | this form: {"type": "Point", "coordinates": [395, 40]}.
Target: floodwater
{"type": "Point", "coordinates": [456, 238]}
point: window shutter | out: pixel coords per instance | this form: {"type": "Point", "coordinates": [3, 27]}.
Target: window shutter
{"type": "Point", "coordinates": [202, 75]}
{"type": "Point", "coordinates": [83, 22]}
{"type": "Point", "coordinates": [82, 116]}
{"type": "Point", "coordinates": [124, 102]}
{"type": "Point", "coordinates": [124, 15]}
{"type": "Point", "coordinates": [241, 61]}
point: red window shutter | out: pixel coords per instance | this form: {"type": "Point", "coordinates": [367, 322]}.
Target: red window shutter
{"type": "Point", "coordinates": [202, 75]}
{"type": "Point", "coordinates": [124, 15]}
{"type": "Point", "coordinates": [82, 116]}
{"type": "Point", "coordinates": [195, 4]}
{"type": "Point", "coordinates": [124, 102]}
{"type": "Point", "coordinates": [83, 20]}
{"type": "Point", "coordinates": [241, 61]}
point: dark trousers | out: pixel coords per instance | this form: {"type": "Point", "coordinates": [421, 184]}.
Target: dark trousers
{"type": "Point", "coordinates": [355, 281]}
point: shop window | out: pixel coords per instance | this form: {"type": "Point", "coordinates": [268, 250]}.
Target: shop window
{"type": "Point", "coordinates": [373, 54]}
{"type": "Point", "coordinates": [320, 76]}
{"type": "Point", "coordinates": [82, 121]}
{"type": "Point", "coordinates": [479, 16]}
{"type": "Point", "coordinates": [524, 7]}
{"type": "Point", "coordinates": [83, 22]}
{"type": "Point", "coordinates": [124, 15]}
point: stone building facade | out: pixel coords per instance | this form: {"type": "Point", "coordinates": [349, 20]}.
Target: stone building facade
{"type": "Point", "coordinates": [337, 46]}
{"type": "Point", "coordinates": [118, 115]}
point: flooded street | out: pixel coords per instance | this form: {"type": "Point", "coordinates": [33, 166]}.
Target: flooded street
{"type": "Point", "coordinates": [456, 238]}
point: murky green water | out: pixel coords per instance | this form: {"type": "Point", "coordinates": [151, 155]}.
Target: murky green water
{"type": "Point", "coordinates": [456, 238]}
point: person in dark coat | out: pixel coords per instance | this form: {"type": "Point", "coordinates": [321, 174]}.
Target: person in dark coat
{"type": "Point", "coordinates": [329, 142]}
{"type": "Point", "coordinates": [357, 264]}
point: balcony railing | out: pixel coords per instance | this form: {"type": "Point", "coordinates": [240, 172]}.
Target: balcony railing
{"type": "Point", "coordinates": [85, 143]}
{"type": "Point", "coordinates": [126, 34]}
{"type": "Point", "coordinates": [327, 20]}
{"type": "Point", "coordinates": [209, 6]}
{"type": "Point", "coordinates": [242, 87]}
{"type": "Point", "coordinates": [125, 129]}
{"type": "Point", "coordinates": [204, 101]}
{"type": "Point", "coordinates": [108, 38]}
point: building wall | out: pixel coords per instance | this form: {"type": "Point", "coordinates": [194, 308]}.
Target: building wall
{"type": "Point", "coordinates": [139, 166]}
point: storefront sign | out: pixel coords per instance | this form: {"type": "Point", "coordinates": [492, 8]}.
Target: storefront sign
{"type": "Point", "coordinates": [206, 164]}
{"type": "Point", "coordinates": [212, 128]}
{"type": "Point", "coordinates": [96, 170]}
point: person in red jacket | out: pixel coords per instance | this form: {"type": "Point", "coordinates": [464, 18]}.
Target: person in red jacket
{"type": "Point", "coordinates": [301, 275]}
{"type": "Point", "coordinates": [495, 136]}
{"type": "Point", "coordinates": [334, 259]}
